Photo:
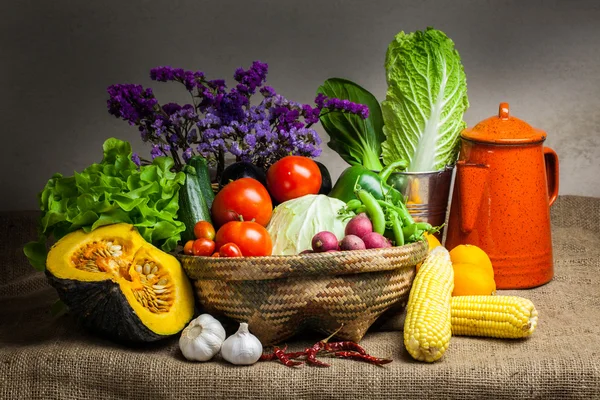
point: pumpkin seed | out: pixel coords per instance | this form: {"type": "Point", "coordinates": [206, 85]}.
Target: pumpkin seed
{"type": "Point", "coordinates": [147, 269]}
{"type": "Point", "coordinates": [162, 282]}
{"type": "Point", "coordinates": [138, 269]}
{"type": "Point", "coordinates": [154, 270]}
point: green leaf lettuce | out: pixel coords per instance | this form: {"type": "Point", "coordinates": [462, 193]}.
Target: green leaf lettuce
{"type": "Point", "coordinates": [112, 191]}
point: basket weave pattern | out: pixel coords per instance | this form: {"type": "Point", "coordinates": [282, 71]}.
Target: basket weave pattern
{"type": "Point", "coordinates": [279, 296]}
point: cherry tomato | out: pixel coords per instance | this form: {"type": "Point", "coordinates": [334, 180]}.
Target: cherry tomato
{"type": "Point", "coordinates": [203, 247]}
{"type": "Point", "coordinates": [187, 249]}
{"type": "Point", "coordinates": [245, 197]}
{"type": "Point", "coordinates": [251, 237]}
{"type": "Point", "coordinates": [204, 229]}
{"type": "Point", "coordinates": [216, 254]}
{"type": "Point", "coordinates": [292, 177]}
{"type": "Point", "coordinates": [229, 250]}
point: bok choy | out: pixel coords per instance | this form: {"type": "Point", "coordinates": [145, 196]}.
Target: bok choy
{"type": "Point", "coordinates": [356, 140]}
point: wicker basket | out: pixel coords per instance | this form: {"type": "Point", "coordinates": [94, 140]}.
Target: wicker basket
{"type": "Point", "coordinates": [279, 296]}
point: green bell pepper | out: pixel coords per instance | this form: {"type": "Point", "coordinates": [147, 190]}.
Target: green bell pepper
{"type": "Point", "coordinates": [372, 182]}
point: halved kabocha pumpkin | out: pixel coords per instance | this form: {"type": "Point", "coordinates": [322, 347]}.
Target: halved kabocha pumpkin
{"type": "Point", "coordinates": [119, 285]}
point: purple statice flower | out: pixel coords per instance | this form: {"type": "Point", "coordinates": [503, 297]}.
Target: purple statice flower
{"type": "Point", "coordinates": [204, 149]}
{"type": "Point", "coordinates": [130, 102]}
{"type": "Point", "coordinates": [320, 100]}
{"type": "Point", "coordinates": [226, 131]}
{"type": "Point", "coordinates": [218, 85]}
{"type": "Point", "coordinates": [218, 144]}
{"type": "Point", "coordinates": [136, 159]}
{"type": "Point", "coordinates": [333, 104]}
{"type": "Point", "coordinates": [187, 154]}
{"type": "Point", "coordinates": [210, 134]}
{"type": "Point", "coordinates": [231, 107]}
{"type": "Point", "coordinates": [190, 79]}
{"type": "Point", "coordinates": [173, 139]}
{"type": "Point", "coordinates": [310, 114]}
{"type": "Point", "coordinates": [162, 74]}
{"type": "Point", "coordinates": [267, 91]}
{"type": "Point", "coordinates": [209, 120]}
{"type": "Point", "coordinates": [192, 136]}
{"type": "Point", "coordinates": [235, 149]}
{"type": "Point", "coordinates": [250, 140]}
{"type": "Point", "coordinates": [222, 120]}
{"type": "Point", "coordinates": [144, 133]}
{"type": "Point", "coordinates": [156, 151]}
{"type": "Point", "coordinates": [159, 125]}
{"type": "Point", "coordinates": [256, 113]}
{"type": "Point", "coordinates": [171, 108]}
{"type": "Point", "coordinates": [251, 79]}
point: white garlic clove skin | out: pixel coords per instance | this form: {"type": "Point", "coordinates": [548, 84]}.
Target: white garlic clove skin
{"type": "Point", "coordinates": [201, 340]}
{"type": "Point", "coordinates": [242, 348]}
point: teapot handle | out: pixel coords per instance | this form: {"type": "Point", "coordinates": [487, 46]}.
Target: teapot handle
{"type": "Point", "coordinates": [551, 161]}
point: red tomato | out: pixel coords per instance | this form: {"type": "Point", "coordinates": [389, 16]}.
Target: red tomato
{"type": "Point", "coordinates": [252, 238]}
{"type": "Point", "coordinates": [204, 229]}
{"type": "Point", "coordinates": [229, 250]}
{"type": "Point", "coordinates": [203, 247]}
{"type": "Point", "coordinates": [292, 177]}
{"type": "Point", "coordinates": [216, 254]}
{"type": "Point", "coordinates": [187, 249]}
{"type": "Point", "coordinates": [244, 197]}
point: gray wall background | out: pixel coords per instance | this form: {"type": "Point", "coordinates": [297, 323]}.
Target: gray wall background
{"type": "Point", "coordinates": [58, 57]}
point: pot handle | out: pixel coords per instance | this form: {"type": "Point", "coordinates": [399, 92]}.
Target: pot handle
{"type": "Point", "coordinates": [472, 180]}
{"type": "Point", "coordinates": [552, 175]}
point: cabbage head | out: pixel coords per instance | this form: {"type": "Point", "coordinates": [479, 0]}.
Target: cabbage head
{"type": "Point", "coordinates": [296, 221]}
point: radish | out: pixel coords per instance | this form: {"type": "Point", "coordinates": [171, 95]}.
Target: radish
{"type": "Point", "coordinates": [374, 240]}
{"type": "Point", "coordinates": [324, 241]}
{"type": "Point", "coordinates": [352, 242]}
{"type": "Point", "coordinates": [359, 226]}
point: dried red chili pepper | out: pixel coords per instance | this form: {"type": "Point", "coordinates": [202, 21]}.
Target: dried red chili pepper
{"type": "Point", "coordinates": [362, 357]}
{"type": "Point", "coordinates": [273, 356]}
{"type": "Point", "coordinates": [267, 357]}
{"type": "Point", "coordinates": [341, 346]}
{"type": "Point", "coordinates": [285, 358]}
{"type": "Point", "coordinates": [345, 349]}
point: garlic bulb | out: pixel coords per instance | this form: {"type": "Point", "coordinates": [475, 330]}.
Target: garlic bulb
{"type": "Point", "coordinates": [202, 338]}
{"type": "Point", "coordinates": [242, 348]}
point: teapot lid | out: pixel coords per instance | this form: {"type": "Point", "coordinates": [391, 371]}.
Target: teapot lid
{"type": "Point", "coordinates": [504, 129]}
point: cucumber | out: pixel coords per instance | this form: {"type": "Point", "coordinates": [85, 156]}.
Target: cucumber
{"type": "Point", "coordinates": [195, 197]}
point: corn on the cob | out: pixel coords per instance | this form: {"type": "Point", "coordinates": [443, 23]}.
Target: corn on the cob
{"type": "Point", "coordinates": [493, 316]}
{"type": "Point", "coordinates": [427, 328]}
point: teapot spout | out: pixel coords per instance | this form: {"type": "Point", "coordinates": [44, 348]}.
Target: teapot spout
{"type": "Point", "coordinates": [472, 180]}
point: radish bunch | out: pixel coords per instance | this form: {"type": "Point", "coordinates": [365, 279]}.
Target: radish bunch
{"type": "Point", "coordinates": [359, 235]}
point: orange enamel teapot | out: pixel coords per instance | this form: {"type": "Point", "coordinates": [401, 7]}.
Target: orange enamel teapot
{"type": "Point", "coordinates": [506, 180]}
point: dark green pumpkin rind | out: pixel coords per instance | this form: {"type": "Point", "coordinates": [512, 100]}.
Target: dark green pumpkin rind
{"type": "Point", "coordinates": [102, 308]}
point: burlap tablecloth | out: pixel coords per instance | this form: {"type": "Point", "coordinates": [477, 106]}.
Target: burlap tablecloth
{"type": "Point", "coordinates": [46, 357]}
